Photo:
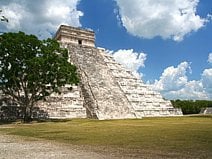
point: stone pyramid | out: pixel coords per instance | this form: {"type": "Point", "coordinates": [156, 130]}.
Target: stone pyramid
{"type": "Point", "coordinates": [107, 90]}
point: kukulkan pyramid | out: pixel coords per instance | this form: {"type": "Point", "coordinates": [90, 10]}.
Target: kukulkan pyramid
{"type": "Point", "coordinates": [107, 90]}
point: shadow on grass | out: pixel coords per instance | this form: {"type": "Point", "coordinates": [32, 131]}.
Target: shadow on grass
{"type": "Point", "coordinates": [52, 120]}
{"type": "Point", "coordinates": [2, 122]}
{"type": "Point", "coordinates": [6, 122]}
{"type": "Point", "coordinates": [199, 115]}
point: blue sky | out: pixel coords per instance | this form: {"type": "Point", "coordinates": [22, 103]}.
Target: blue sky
{"type": "Point", "coordinates": [166, 43]}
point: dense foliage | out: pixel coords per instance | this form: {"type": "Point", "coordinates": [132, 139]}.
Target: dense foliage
{"type": "Point", "coordinates": [191, 106]}
{"type": "Point", "coordinates": [31, 69]}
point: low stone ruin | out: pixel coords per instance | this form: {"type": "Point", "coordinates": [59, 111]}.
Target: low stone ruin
{"type": "Point", "coordinates": [206, 110]}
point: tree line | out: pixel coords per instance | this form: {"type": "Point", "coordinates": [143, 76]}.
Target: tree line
{"type": "Point", "coordinates": [191, 106]}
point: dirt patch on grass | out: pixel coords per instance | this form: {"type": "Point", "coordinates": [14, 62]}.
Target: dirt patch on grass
{"type": "Point", "coordinates": [20, 147]}
{"type": "Point", "coordinates": [16, 147]}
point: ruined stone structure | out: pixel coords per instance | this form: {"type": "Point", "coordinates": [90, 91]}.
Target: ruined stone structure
{"type": "Point", "coordinates": [206, 111]}
{"type": "Point", "coordinates": [107, 90]}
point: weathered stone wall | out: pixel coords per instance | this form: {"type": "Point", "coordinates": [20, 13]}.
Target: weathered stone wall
{"type": "Point", "coordinates": [112, 92]}
{"type": "Point", "coordinates": [103, 96]}
{"type": "Point", "coordinates": [68, 104]}
{"type": "Point", "coordinates": [144, 101]}
{"type": "Point", "coordinates": [77, 36]}
{"type": "Point", "coordinates": [206, 111]}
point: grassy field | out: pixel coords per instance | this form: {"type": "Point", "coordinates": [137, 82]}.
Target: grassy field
{"type": "Point", "coordinates": [176, 137]}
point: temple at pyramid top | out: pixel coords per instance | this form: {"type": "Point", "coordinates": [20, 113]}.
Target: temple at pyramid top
{"type": "Point", "coordinates": [77, 36]}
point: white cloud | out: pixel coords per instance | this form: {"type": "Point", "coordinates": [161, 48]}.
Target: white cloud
{"type": "Point", "coordinates": [173, 78]}
{"type": "Point", "coordinates": [169, 19]}
{"type": "Point", "coordinates": [14, 17]}
{"type": "Point", "coordinates": [40, 17]}
{"type": "Point", "coordinates": [130, 59]}
{"type": "Point", "coordinates": [174, 83]}
{"type": "Point", "coordinates": [207, 80]}
{"type": "Point", "coordinates": [191, 90]}
{"type": "Point", "coordinates": [210, 58]}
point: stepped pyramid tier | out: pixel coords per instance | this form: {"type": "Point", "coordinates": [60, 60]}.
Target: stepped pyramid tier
{"type": "Point", "coordinates": [68, 104]}
{"type": "Point", "coordinates": [107, 90]}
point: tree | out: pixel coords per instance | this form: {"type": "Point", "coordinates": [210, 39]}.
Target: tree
{"type": "Point", "coordinates": [31, 69]}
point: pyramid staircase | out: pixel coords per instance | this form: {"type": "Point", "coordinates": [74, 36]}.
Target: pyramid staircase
{"type": "Point", "coordinates": [112, 92]}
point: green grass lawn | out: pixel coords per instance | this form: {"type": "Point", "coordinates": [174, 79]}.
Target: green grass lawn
{"type": "Point", "coordinates": [176, 137]}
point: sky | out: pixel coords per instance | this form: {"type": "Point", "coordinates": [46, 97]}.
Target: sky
{"type": "Point", "coordinates": [166, 43]}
